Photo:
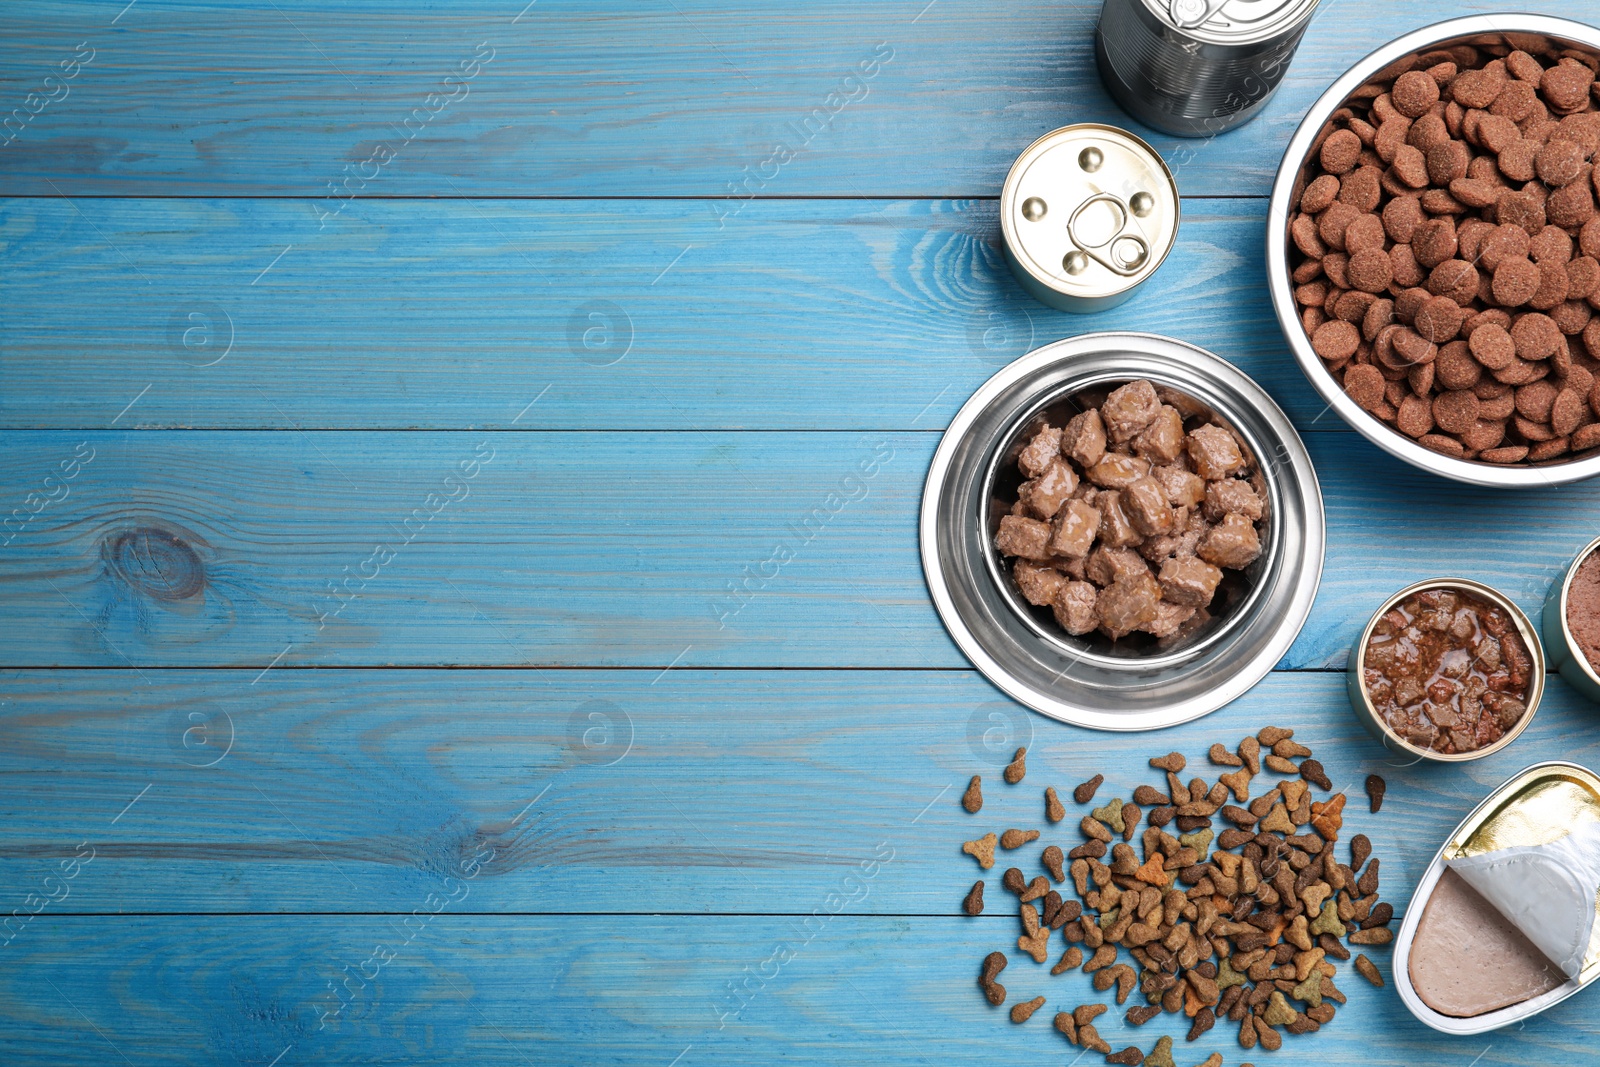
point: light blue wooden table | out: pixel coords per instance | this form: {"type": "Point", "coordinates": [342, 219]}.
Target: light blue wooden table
{"type": "Point", "coordinates": [393, 393]}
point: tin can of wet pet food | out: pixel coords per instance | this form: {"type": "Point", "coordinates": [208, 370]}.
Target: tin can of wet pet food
{"type": "Point", "coordinates": [1088, 213]}
{"type": "Point", "coordinates": [1197, 67]}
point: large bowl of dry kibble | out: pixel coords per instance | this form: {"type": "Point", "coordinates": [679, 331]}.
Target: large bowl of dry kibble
{"type": "Point", "coordinates": [1433, 249]}
{"type": "Point", "coordinates": [1122, 531]}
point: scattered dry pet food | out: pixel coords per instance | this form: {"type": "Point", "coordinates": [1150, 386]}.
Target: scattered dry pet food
{"type": "Point", "coordinates": [1237, 915]}
{"type": "Point", "coordinates": [1129, 1055]}
{"type": "Point", "coordinates": [1085, 792]}
{"type": "Point", "coordinates": [1445, 251]}
{"type": "Point", "coordinates": [1130, 514]}
{"type": "Point", "coordinates": [972, 799]}
{"type": "Point", "coordinates": [1447, 671]}
{"type": "Point", "coordinates": [1376, 787]}
{"type": "Point", "coordinates": [973, 904]}
{"type": "Point", "coordinates": [1017, 767]}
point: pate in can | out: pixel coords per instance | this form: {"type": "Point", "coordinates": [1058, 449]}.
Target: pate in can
{"type": "Point", "coordinates": [1088, 213]}
{"type": "Point", "coordinates": [1197, 67]}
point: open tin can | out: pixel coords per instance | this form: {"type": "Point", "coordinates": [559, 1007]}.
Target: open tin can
{"type": "Point", "coordinates": [1379, 727]}
{"type": "Point", "coordinates": [1088, 212]}
{"type": "Point", "coordinates": [1533, 809]}
{"type": "Point", "coordinates": [1565, 652]}
{"type": "Point", "coordinates": [1091, 681]}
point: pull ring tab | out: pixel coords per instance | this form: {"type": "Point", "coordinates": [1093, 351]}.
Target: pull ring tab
{"type": "Point", "coordinates": [1125, 252]}
{"type": "Point", "coordinates": [1187, 14]}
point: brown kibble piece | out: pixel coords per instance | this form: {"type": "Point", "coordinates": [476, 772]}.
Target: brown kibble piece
{"type": "Point", "coordinates": [1090, 1038]}
{"type": "Point", "coordinates": [1150, 795]}
{"type": "Point", "coordinates": [1368, 882]}
{"type": "Point", "coordinates": [1021, 1013]}
{"type": "Point", "coordinates": [1369, 970]}
{"type": "Point", "coordinates": [1070, 959]}
{"type": "Point", "coordinates": [1084, 1014]}
{"type": "Point", "coordinates": [1142, 1013]}
{"type": "Point", "coordinates": [1054, 810]}
{"type": "Point", "coordinates": [973, 904]}
{"type": "Point", "coordinates": [1085, 792]}
{"type": "Point", "coordinates": [1172, 762]}
{"type": "Point", "coordinates": [993, 964]}
{"type": "Point", "coordinates": [1130, 1055]}
{"type": "Point", "coordinates": [1337, 339]}
{"type": "Point", "coordinates": [1053, 862]}
{"type": "Point", "coordinates": [1036, 944]}
{"type": "Point", "coordinates": [982, 850]}
{"type": "Point", "coordinates": [1013, 880]}
{"type": "Point", "coordinates": [972, 799]}
{"type": "Point", "coordinates": [1456, 411]}
{"type": "Point", "coordinates": [1340, 152]}
{"type": "Point", "coordinates": [1365, 385]}
{"type": "Point", "coordinates": [1219, 754]}
{"type": "Point", "coordinates": [1017, 838]}
{"type": "Point", "coordinates": [1360, 849]}
{"type": "Point", "coordinates": [1414, 93]}
{"type": "Point", "coordinates": [1311, 770]}
{"type": "Point", "coordinates": [1491, 345]}
{"type": "Point", "coordinates": [1536, 336]}
{"type": "Point", "coordinates": [1017, 767]}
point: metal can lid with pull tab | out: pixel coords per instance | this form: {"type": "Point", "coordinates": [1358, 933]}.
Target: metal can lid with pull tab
{"type": "Point", "coordinates": [1239, 22]}
{"type": "Point", "coordinates": [1088, 212]}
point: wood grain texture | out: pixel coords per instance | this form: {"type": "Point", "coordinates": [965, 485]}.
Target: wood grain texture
{"type": "Point", "coordinates": [615, 791]}
{"type": "Point", "coordinates": [656, 100]}
{"type": "Point", "coordinates": [801, 315]}
{"type": "Point", "coordinates": [630, 990]}
{"type": "Point", "coordinates": [604, 549]}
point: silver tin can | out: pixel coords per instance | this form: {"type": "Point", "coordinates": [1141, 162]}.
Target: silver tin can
{"type": "Point", "coordinates": [1197, 67]}
{"type": "Point", "coordinates": [1081, 680]}
{"type": "Point", "coordinates": [1356, 686]}
{"type": "Point", "coordinates": [1088, 212]}
{"type": "Point", "coordinates": [1564, 653]}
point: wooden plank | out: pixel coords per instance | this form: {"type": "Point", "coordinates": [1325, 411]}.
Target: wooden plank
{"type": "Point", "coordinates": [676, 99]}
{"type": "Point", "coordinates": [639, 990]}
{"type": "Point", "coordinates": [806, 315]}
{"type": "Point", "coordinates": [699, 792]}
{"type": "Point", "coordinates": [599, 549]}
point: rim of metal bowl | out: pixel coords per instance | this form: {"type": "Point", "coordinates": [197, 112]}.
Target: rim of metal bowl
{"type": "Point", "coordinates": [1525, 630]}
{"type": "Point", "coordinates": [1278, 281]}
{"type": "Point", "coordinates": [1006, 647]}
